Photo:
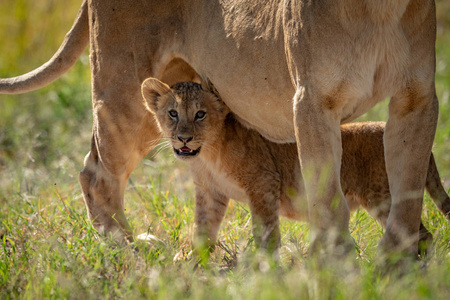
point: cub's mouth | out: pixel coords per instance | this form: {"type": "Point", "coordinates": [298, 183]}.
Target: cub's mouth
{"type": "Point", "coordinates": [186, 151]}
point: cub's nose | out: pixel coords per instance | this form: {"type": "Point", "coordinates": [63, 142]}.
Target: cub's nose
{"type": "Point", "coordinates": [184, 139]}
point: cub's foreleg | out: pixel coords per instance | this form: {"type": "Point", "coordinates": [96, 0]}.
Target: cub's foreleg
{"type": "Point", "coordinates": [210, 208]}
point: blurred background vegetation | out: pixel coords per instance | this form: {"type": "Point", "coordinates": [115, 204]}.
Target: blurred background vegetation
{"type": "Point", "coordinates": [45, 131]}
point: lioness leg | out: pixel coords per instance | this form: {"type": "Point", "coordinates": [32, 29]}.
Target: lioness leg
{"type": "Point", "coordinates": [408, 139]}
{"type": "Point", "coordinates": [319, 144]}
{"type": "Point", "coordinates": [123, 130]}
{"type": "Point", "coordinates": [123, 133]}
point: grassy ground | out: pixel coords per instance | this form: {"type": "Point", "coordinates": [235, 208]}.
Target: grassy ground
{"type": "Point", "coordinates": [48, 250]}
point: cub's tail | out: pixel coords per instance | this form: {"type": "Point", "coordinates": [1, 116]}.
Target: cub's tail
{"type": "Point", "coordinates": [436, 190]}
{"type": "Point", "coordinates": [73, 46]}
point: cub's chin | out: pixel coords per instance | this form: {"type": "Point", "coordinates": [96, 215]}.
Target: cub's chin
{"type": "Point", "coordinates": [186, 152]}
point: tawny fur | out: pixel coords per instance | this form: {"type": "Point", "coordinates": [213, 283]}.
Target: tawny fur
{"type": "Point", "coordinates": [237, 162]}
{"type": "Point", "coordinates": [292, 70]}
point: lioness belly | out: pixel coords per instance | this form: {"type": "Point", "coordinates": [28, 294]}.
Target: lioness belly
{"type": "Point", "coordinates": [248, 63]}
{"type": "Point", "coordinates": [258, 87]}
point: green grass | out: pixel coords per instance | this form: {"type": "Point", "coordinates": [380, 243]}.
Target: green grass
{"type": "Point", "coordinates": [48, 250]}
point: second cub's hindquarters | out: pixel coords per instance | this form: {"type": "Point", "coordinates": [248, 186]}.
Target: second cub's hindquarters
{"type": "Point", "coordinates": [230, 161]}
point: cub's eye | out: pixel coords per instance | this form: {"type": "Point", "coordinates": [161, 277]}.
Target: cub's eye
{"type": "Point", "coordinates": [200, 115]}
{"type": "Point", "coordinates": [173, 114]}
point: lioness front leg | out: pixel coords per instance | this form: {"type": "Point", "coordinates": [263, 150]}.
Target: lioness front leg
{"type": "Point", "coordinates": [319, 143]}
{"type": "Point", "coordinates": [408, 139]}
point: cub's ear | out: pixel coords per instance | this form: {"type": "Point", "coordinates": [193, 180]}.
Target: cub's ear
{"type": "Point", "coordinates": [152, 89]}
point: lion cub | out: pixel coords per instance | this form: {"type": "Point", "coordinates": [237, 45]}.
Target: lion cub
{"type": "Point", "coordinates": [228, 160]}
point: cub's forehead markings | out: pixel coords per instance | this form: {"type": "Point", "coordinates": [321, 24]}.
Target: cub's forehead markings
{"type": "Point", "coordinates": [191, 96]}
{"type": "Point", "coordinates": [178, 100]}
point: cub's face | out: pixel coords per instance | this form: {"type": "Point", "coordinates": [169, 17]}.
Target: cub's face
{"type": "Point", "coordinates": [188, 116]}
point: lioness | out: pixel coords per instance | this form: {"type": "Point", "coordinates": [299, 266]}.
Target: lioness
{"type": "Point", "coordinates": [292, 70]}
{"type": "Point", "coordinates": [229, 160]}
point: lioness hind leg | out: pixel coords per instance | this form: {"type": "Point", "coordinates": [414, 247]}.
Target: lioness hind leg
{"type": "Point", "coordinates": [103, 197]}
{"type": "Point", "coordinates": [123, 133]}
{"type": "Point", "coordinates": [408, 139]}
